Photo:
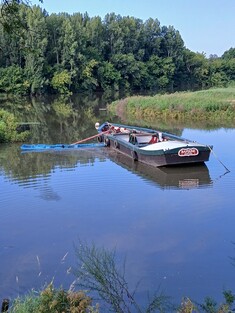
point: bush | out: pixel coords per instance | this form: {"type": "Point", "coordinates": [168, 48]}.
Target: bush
{"type": "Point", "coordinates": [52, 300]}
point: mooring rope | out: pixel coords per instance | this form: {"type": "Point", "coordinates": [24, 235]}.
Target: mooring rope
{"type": "Point", "coordinates": [228, 171]}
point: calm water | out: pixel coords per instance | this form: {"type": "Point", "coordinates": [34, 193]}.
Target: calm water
{"type": "Point", "coordinates": [174, 226]}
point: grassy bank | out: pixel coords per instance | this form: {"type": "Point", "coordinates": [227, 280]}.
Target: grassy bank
{"type": "Point", "coordinates": [215, 105]}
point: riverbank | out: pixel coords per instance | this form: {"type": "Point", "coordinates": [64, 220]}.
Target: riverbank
{"type": "Point", "coordinates": [214, 105]}
{"type": "Point", "coordinates": [59, 301]}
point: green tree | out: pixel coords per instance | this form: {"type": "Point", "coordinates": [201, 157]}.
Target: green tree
{"type": "Point", "coordinates": [36, 42]}
{"type": "Point", "coordinates": [108, 76]}
{"type": "Point", "coordinates": [216, 75]}
{"type": "Point", "coordinates": [229, 54]}
{"type": "Point", "coordinates": [116, 52]}
{"type": "Point", "coordinates": [113, 43]}
{"type": "Point", "coordinates": [161, 71]}
{"type": "Point", "coordinates": [128, 67]}
{"type": "Point", "coordinates": [151, 38]}
{"type": "Point", "coordinates": [61, 81]}
{"type": "Point", "coordinates": [194, 69]}
{"type": "Point", "coordinates": [54, 25]}
{"type": "Point", "coordinates": [69, 47]}
{"type": "Point", "coordinates": [11, 19]}
{"type": "Point", "coordinates": [94, 39]}
{"type": "Point", "coordinates": [172, 45]}
{"type": "Point", "coordinates": [13, 80]}
{"type": "Point", "coordinates": [131, 29]}
{"type": "Point", "coordinates": [228, 67]}
{"type": "Point", "coordinates": [89, 76]}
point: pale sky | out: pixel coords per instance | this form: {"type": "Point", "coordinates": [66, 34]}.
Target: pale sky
{"type": "Point", "coordinates": [205, 25]}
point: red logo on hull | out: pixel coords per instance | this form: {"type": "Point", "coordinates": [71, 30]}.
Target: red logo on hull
{"type": "Point", "coordinates": [188, 152]}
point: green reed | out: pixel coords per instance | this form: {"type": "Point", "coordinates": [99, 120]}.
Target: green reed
{"type": "Point", "coordinates": [212, 104]}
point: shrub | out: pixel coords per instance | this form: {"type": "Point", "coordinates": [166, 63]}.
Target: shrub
{"type": "Point", "coordinates": [52, 300]}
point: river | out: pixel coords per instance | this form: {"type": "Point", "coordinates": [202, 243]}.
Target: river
{"type": "Point", "coordinates": [174, 227]}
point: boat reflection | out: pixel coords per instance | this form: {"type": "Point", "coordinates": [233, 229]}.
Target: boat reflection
{"type": "Point", "coordinates": [30, 169]}
{"type": "Point", "coordinates": [177, 177]}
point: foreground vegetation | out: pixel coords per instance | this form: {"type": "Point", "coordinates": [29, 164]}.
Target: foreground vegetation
{"type": "Point", "coordinates": [97, 271]}
{"type": "Point", "coordinates": [213, 104]}
{"type": "Point", "coordinates": [51, 300]}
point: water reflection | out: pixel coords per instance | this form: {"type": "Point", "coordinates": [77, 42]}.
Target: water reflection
{"type": "Point", "coordinates": [58, 119]}
{"type": "Point", "coordinates": [34, 169]}
{"type": "Point", "coordinates": [23, 167]}
{"type": "Point", "coordinates": [178, 177]}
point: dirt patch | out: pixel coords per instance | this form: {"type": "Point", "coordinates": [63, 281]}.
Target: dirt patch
{"type": "Point", "coordinates": [121, 108]}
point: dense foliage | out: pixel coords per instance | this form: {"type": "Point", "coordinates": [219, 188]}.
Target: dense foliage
{"type": "Point", "coordinates": [64, 53]}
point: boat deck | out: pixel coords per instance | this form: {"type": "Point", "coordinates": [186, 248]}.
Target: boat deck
{"type": "Point", "coordinates": [167, 145]}
{"type": "Point", "coordinates": [143, 141]}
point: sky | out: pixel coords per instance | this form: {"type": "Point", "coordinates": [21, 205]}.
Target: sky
{"type": "Point", "coordinates": [206, 26]}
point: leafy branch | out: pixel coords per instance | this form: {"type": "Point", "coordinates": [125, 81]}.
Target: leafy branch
{"type": "Point", "coordinates": [10, 18]}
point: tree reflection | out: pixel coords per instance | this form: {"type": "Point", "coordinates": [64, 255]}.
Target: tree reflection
{"type": "Point", "coordinates": [27, 167]}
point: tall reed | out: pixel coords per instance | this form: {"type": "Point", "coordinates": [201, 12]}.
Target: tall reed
{"type": "Point", "coordinates": [209, 104]}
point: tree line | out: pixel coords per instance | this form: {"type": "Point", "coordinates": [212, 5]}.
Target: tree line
{"type": "Point", "coordinates": [63, 53]}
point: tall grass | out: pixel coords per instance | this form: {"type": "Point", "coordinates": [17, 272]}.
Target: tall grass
{"type": "Point", "coordinates": [205, 104]}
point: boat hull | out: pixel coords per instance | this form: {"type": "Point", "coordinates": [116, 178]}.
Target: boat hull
{"type": "Point", "coordinates": [158, 158]}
